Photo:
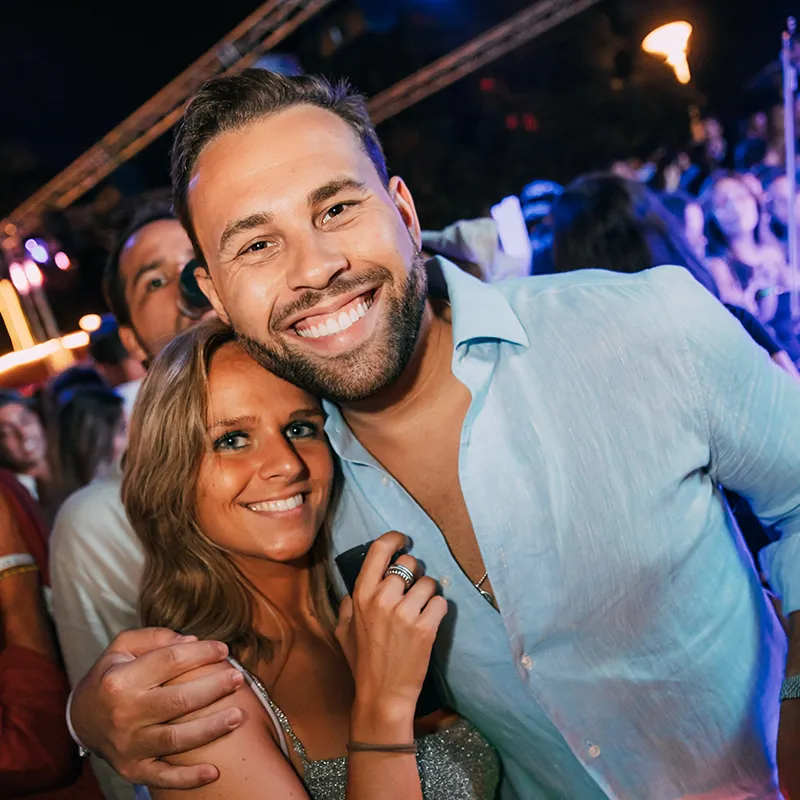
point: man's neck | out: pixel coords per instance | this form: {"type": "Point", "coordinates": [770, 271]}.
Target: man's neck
{"type": "Point", "coordinates": [421, 383]}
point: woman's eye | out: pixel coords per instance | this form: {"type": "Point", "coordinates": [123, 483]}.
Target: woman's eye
{"type": "Point", "coordinates": [301, 430]}
{"type": "Point", "coordinates": [231, 441]}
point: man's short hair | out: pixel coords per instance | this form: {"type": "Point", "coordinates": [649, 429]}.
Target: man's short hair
{"type": "Point", "coordinates": [233, 101]}
{"type": "Point", "coordinates": [105, 346]}
{"type": "Point", "coordinates": [113, 284]}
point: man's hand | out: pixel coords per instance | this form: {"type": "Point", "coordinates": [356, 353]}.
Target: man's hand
{"type": "Point", "coordinates": [789, 729]}
{"type": "Point", "coordinates": [122, 711]}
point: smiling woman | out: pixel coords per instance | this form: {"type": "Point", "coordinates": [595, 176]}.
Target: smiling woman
{"type": "Point", "coordinates": [229, 482]}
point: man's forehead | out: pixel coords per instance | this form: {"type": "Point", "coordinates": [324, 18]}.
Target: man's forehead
{"type": "Point", "coordinates": [160, 239]}
{"type": "Point", "coordinates": [292, 150]}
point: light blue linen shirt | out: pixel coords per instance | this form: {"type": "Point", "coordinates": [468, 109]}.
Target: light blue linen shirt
{"type": "Point", "coordinates": [636, 655]}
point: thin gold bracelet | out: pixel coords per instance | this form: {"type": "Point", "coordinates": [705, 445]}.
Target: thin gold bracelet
{"type": "Point", "coordinates": [8, 573]}
{"type": "Point", "coordinates": [366, 747]}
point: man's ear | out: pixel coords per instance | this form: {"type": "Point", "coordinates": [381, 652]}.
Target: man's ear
{"type": "Point", "coordinates": [130, 341]}
{"type": "Point", "coordinates": [203, 278]}
{"type": "Point", "coordinates": [402, 198]}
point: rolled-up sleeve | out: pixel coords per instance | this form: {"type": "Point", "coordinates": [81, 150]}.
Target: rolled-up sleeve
{"type": "Point", "coordinates": [752, 410]}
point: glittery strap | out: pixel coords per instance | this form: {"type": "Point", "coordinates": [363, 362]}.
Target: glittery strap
{"type": "Point", "coordinates": [278, 715]}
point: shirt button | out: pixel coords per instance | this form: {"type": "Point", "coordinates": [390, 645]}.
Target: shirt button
{"type": "Point", "coordinates": [445, 582]}
{"type": "Point", "coordinates": [594, 751]}
{"type": "Point", "coordinates": [527, 662]}
{"type": "Point", "coordinates": [385, 480]}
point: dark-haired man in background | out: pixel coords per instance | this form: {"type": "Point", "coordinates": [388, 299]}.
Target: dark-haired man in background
{"type": "Point", "coordinates": [95, 555]}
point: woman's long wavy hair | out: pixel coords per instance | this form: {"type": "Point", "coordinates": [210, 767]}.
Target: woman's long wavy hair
{"type": "Point", "coordinates": [190, 584]}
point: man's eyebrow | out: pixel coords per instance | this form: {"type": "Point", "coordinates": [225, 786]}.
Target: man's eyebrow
{"type": "Point", "coordinates": [142, 271]}
{"type": "Point", "coordinates": [242, 226]}
{"type": "Point", "coordinates": [331, 189]}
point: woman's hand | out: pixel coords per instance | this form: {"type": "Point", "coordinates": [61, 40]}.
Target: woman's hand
{"type": "Point", "coordinates": [387, 633]}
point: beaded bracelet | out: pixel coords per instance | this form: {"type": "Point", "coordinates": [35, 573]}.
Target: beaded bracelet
{"type": "Point", "coordinates": [11, 571]}
{"type": "Point", "coordinates": [365, 747]}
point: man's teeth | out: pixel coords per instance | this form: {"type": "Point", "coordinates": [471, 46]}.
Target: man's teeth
{"type": "Point", "coordinates": [336, 323]}
{"type": "Point", "coordinates": [278, 505]}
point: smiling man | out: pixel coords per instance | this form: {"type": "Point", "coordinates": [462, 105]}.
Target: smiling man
{"type": "Point", "coordinates": [554, 447]}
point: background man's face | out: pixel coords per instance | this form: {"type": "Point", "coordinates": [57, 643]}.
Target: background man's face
{"type": "Point", "coordinates": [311, 258]}
{"type": "Point", "coordinates": [150, 266]}
{"type": "Point", "coordinates": [22, 440]}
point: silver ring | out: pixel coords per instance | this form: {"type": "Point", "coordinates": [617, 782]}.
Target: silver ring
{"type": "Point", "coordinates": [402, 572]}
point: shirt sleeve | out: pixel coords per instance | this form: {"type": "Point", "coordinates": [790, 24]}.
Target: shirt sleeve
{"type": "Point", "coordinates": [36, 752]}
{"type": "Point", "coordinates": [88, 564]}
{"type": "Point", "coordinates": [757, 332]}
{"type": "Point", "coordinates": [752, 410]}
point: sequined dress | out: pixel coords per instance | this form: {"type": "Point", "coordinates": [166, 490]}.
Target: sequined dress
{"type": "Point", "coordinates": [455, 763]}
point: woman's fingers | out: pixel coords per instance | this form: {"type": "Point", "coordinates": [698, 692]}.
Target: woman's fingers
{"type": "Point", "coordinates": [380, 555]}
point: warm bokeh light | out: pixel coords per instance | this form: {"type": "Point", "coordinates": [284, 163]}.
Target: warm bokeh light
{"type": "Point", "coordinates": [61, 260]}
{"type": "Point", "coordinates": [49, 349]}
{"type": "Point", "coordinates": [17, 275]}
{"type": "Point", "coordinates": [72, 341]}
{"type": "Point", "coordinates": [89, 323]}
{"type": "Point", "coordinates": [671, 41]}
{"type": "Point", "coordinates": [33, 273]}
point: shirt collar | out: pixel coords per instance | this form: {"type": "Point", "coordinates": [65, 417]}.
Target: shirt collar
{"type": "Point", "coordinates": [480, 310]}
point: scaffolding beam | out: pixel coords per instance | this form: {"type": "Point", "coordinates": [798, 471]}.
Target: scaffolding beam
{"type": "Point", "coordinates": [263, 30]}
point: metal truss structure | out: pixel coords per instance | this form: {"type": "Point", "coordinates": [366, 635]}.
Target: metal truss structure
{"type": "Point", "coordinates": [261, 31]}
{"type": "Point", "coordinates": [489, 46]}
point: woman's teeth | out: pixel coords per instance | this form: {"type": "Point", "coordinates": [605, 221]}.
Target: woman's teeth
{"type": "Point", "coordinates": [278, 505]}
{"type": "Point", "coordinates": [338, 322]}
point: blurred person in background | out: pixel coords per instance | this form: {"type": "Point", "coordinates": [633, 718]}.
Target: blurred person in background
{"type": "Point", "coordinates": [691, 220]}
{"type": "Point", "coordinates": [121, 370]}
{"type": "Point", "coordinates": [38, 760]}
{"type": "Point", "coordinates": [88, 438]}
{"type": "Point", "coordinates": [748, 267]}
{"type": "Point", "coordinates": [777, 192]}
{"type": "Point", "coordinates": [23, 444]}
{"type": "Point", "coordinates": [97, 559]}
{"type": "Point", "coordinates": [474, 245]}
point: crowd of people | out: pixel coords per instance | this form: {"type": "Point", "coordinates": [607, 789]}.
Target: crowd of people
{"type": "Point", "coordinates": [572, 496]}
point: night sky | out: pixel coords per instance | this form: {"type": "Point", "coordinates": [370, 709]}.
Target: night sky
{"type": "Point", "coordinates": [71, 71]}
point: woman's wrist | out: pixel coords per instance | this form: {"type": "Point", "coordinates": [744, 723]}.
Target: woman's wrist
{"type": "Point", "coordinates": [381, 721]}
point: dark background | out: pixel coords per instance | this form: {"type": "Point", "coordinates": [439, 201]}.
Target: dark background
{"type": "Point", "coordinates": [70, 72]}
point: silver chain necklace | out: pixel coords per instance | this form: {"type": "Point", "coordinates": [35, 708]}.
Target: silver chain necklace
{"type": "Point", "coordinates": [488, 596]}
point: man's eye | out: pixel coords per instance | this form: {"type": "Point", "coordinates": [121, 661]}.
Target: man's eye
{"type": "Point", "coordinates": [257, 247]}
{"type": "Point", "coordinates": [154, 284]}
{"type": "Point", "coordinates": [336, 211]}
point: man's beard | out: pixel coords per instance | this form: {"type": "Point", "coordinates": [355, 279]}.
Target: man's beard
{"type": "Point", "coordinates": [368, 368]}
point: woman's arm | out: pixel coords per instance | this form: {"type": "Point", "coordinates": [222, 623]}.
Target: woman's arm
{"type": "Point", "coordinates": [249, 759]}
{"type": "Point", "coordinates": [251, 764]}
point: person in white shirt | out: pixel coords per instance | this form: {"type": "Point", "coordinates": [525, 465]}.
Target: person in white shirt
{"type": "Point", "coordinates": [95, 556]}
